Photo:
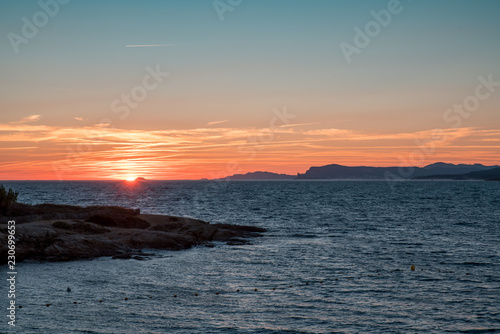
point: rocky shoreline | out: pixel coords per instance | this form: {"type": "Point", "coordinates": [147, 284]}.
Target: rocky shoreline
{"type": "Point", "coordinates": [67, 233]}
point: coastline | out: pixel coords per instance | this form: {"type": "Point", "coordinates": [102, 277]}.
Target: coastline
{"type": "Point", "coordinates": [76, 233]}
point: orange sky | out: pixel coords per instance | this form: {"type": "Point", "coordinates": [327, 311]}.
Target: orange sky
{"type": "Point", "coordinates": [34, 151]}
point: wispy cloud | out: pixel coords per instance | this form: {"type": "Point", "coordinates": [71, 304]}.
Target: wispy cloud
{"type": "Point", "coordinates": [103, 152]}
{"type": "Point", "coordinates": [297, 124]}
{"type": "Point", "coordinates": [217, 122]}
{"type": "Point", "coordinates": [147, 45]}
{"type": "Point", "coordinates": [28, 119]}
{"type": "Point", "coordinates": [79, 119]}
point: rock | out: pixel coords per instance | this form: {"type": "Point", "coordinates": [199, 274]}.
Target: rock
{"type": "Point", "coordinates": [123, 221]}
{"type": "Point", "coordinates": [81, 227]}
{"type": "Point", "coordinates": [116, 232]}
{"type": "Point", "coordinates": [122, 256]}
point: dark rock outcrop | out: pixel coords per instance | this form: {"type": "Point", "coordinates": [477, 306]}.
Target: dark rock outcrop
{"type": "Point", "coordinates": [120, 220]}
{"type": "Point", "coordinates": [115, 232]}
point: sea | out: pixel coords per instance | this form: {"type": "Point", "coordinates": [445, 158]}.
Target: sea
{"type": "Point", "coordinates": [337, 257]}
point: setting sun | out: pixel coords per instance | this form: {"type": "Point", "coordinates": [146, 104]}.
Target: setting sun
{"type": "Point", "coordinates": [131, 178]}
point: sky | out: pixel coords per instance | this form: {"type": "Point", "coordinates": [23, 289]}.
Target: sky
{"type": "Point", "coordinates": [204, 89]}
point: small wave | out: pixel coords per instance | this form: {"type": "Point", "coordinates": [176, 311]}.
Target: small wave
{"type": "Point", "coordinates": [297, 235]}
{"type": "Point", "coordinates": [475, 264]}
{"type": "Point", "coordinates": [481, 330]}
{"type": "Point", "coordinates": [430, 279]}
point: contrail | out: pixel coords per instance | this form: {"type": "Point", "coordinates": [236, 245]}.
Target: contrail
{"type": "Point", "coordinates": [217, 122]}
{"type": "Point", "coordinates": [147, 45]}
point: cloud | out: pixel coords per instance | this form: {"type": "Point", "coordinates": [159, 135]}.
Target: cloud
{"type": "Point", "coordinates": [217, 122]}
{"type": "Point", "coordinates": [79, 119]}
{"type": "Point", "coordinates": [98, 151]}
{"type": "Point", "coordinates": [297, 124]}
{"type": "Point", "coordinates": [28, 119]}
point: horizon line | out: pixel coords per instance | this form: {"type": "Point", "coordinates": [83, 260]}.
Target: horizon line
{"type": "Point", "coordinates": [256, 171]}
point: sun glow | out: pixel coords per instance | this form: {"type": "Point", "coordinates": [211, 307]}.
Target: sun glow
{"type": "Point", "coordinates": [130, 179]}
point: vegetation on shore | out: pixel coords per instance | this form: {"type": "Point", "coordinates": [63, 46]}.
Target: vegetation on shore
{"type": "Point", "coordinates": [7, 198]}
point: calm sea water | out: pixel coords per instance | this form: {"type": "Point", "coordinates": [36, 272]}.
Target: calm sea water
{"type": "Point", "coordinates": [337, 258]}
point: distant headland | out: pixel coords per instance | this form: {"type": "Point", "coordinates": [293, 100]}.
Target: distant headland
{"type": "Point", "coordinates": [438, 170]}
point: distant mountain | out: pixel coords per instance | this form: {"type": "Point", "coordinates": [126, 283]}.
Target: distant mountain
{"type": "Point", "coordinates": [438, 170]}
{"type": "Point", "coordinates": [493, 173]}
{"type": "Point", "coordinates": [489, 174]}
{"type": "Point", "coordinates": [444, 168]}
{"type": "Point", "coordinates": [335, 171]}
{"type": "Point", "coordinates": [260, 176]}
